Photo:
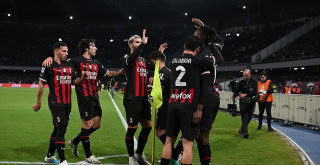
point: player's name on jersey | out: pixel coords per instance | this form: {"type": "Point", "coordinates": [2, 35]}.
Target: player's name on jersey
{"type": "Point", "coordinates": [93, 75]}
{"type": "Point", "coordinates": [181, 96]}
{"type": "Point", "coordinates": [182, 60]}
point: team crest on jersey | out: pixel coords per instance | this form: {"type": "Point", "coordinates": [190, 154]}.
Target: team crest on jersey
{"type": "Point", "coordinates": [58, 119]}
{"type": "Point", "coordinates": [64, 69]}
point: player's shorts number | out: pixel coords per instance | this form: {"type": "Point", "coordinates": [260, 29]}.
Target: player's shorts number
{"type": "Point", "coordinates": [178, 80]}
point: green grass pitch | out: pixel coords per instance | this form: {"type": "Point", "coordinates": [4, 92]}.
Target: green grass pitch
{"type": "Point", "coordinates": [25, 135]}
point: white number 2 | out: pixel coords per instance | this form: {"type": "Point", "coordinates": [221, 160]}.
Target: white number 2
{"type": "Point", "coordinates": [178, 81]}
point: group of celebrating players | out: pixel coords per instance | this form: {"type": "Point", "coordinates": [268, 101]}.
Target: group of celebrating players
{"type": "Point", "coordinates": [190, 103]}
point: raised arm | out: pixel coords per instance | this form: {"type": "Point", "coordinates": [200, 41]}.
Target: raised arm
{"type": "Point", "coordinates": [131, 59]}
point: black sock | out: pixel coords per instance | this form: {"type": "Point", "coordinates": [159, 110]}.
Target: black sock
{"type": "Point", "coordinates": [204, 153]}
{"type": "Point", "coordinates": [165, 161]}
{"type": "Point", "coordinates": [163, 138]}
{"type": "Point", "coordinates": [77, 139]}
{"type": "Point", "coordinates": [52, 146]}
{"type": "Point", "coordinates": [60, 144]}
{"type": "Point", "coordinates": [86, 141]}
{"type": "Point", "coordinates": [129, 140]}
{"type": "Point", "coordinates": [92, 130]}
{"type": "Point", "coordinates": [176, 152]}
{"type": "Point", "coordinates": [142, 140]}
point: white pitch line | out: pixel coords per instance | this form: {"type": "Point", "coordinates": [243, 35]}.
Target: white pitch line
{"type": "Point", "coordinates": [297, 146]}
{"type": "Point", "coordinates": [104, 157]}
{"type": "Point", "coordinates": [123, 120]}
{"type": "Point", "coordinates": [303, 153]}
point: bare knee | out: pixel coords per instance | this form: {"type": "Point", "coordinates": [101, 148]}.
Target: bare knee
{"type": "Point", "coordinates": [87, 124]}
{"type": "Point", "coordinates": [160, 132]}
{"type": "Point", "coordinates": [187, 144]}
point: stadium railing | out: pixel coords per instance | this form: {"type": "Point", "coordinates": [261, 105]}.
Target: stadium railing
{"type": "Point", "coordinates": [303, 109]}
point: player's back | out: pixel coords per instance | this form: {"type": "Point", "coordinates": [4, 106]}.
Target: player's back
{"type": "Point", "coordinates": [185, 81]}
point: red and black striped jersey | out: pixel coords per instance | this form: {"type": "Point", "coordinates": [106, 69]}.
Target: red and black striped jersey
{"type": "Point", "coordinates": [59, 78]}
{"type": "Point", "coordinates": [185, 80]}
{"type": "Point", "coordinates": [88, 88]}
{"type": "Point", "coordinates": [136, 75]}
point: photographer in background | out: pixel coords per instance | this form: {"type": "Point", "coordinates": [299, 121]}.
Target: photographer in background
{"type": "Point", "coordinates": [247, 91]}
{"type": "Point", "coordinates": [232, 108]}
{"type": "Point", "coordinates": [233, 85]}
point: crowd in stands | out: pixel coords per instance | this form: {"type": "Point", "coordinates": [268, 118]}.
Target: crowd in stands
{"type": "Point", "coordinates": [24, 41]}
{"type": "Point", "coordinates": [306, 47]}
{"type": "Point", "coordinates": [243, 42]}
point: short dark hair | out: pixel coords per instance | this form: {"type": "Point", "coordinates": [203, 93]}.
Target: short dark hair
{"type": "Point", "coordinates": [58, 45]}
{"type": "Point", "coordinates": [263, 73]}
{"type": "Point", "coordinates": [192, 43]}
{"type": "Point", "coordinates": [84, 44]}
{"type": "Point", "coordinates": [158, 55]}
{"type": "Point", "coordinates": [207, 34]}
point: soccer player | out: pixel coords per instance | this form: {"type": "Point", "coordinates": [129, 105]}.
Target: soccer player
{"type": "Point", "coordinates": [186, 100]}
{"type": "Point", "coordinates": [135, 99]}
{"type": "Point", "coordinates": [165, 79]}
{"type": "Point", "coordinates": [59, 77]}
{"type": "Point", "coordinates": [211, 44]}
{"type": "Point", "coordinates": [87, 95]}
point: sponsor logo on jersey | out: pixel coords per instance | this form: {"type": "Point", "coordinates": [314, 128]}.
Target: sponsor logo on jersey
{"type": "Point", "coordinates": [142, 71]}
{"type": "Point", "coordinates": [181, 96]}
{"type": "Point", "coordinates": [93, 75]}
{"type": "Point", "coordinates": [64, 79]}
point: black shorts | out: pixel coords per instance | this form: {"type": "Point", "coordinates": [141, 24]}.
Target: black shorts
{"type": "Point", "coordinates": [181, 119]}
{"type": "Point", "coordinates": [209, 111]}
{"type": "Point", "coordinates": [89, 108]}
{"type": "Point", "coordinates": [60, 114]}
{"type": "Point", "coordinates": [162, 115]}
{"type": "Point", "coordinates": [137, 110]}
